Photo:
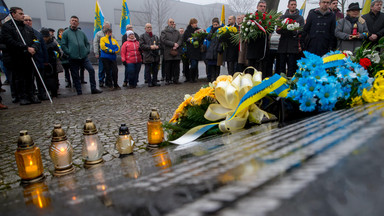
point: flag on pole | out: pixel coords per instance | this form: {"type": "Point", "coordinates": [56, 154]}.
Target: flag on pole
{"type": "Point", "coordinates": [4, 12]}
{"type": "Point", "coordinates": [99, 19]}
{"type": "Point", "coordinates": [367, 7]}
{"type": "Point", "coordinates": [222, 19]}
{"type": "Point", "coordinates": [125, 19]}
{"type": "Point", "coordinates": [302, 9]}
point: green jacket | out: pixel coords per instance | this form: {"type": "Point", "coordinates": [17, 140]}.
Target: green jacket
{"type": "Point", "coordinates": [75, 44]}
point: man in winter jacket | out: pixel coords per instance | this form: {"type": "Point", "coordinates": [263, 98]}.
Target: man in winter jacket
{"type": "Point", "coordinates": [75, 44]}
{"type": "Point", "coordinates": [150, 45]}
{"type": "Point", "coordinates": [109, 48]}
{"type": "Point", "coordinates": [375, 21]}
{"type": "Point", "coordinates": [17, 56]}
{"type": "Point", "coordinates": [232, 51]}
{"type": "Point", "coordinates": [319, 30]}
{"type": "Point", "coordinates": [96, 50]}
{"type": "Point", "coordinates": [289, 41]}
{"type": "Point", "coordinates": [171, 40]}
{"type": "Point", "coordinates": [333, 6]}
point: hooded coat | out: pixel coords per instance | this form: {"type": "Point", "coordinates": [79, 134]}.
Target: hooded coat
{"type": "Point", "coordinates": [319, 32]}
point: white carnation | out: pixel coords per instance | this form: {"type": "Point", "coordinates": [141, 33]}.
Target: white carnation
{"type": "Point", "coordinates": [246, 29]}
{"type": "Point", "coordinates": [249, 23]}
{"type": "Point", "coordinates": [290, 27]}
{"type": "Point", "coordinates": [253, 23]}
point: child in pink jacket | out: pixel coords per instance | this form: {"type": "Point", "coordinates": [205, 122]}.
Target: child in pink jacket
{"type": "Point", "coordinates": [131, 58]}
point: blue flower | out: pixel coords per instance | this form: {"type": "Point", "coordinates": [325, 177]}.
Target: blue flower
{"type": "Point", "coordinates": [308, 104]}
{"type": "Point", "coordinates": [327, 94]}
{"type": "Point", "coordinates": [320, 75]}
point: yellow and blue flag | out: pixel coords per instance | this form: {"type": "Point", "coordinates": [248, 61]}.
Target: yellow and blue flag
{"type": "Point", "coordinates": [302, 9]}
{"type": "Point", "coordinates": [222, 18]}
{"type": "Point", "coordinates": [367, 7]}
{"type": "Point", "coordinates": [99, 19]}
{"type": "Point", "coordinates": [4, 12]}
{"type": "Point", "coordinates": [125, 19]}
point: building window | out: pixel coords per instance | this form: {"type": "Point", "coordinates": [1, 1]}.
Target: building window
{"type": "Point", "coordinates": [55, 11]}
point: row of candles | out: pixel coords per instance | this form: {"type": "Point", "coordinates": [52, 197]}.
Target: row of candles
{"type": "Point", "coordinates": [28, 156]}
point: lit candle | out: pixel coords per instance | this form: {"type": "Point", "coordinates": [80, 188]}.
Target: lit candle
{"type": "Point", "coordinates": [92, 149]}
{"type": "Point", "coordinates": [31, 168]}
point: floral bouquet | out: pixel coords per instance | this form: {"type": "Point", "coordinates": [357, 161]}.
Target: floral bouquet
{"type": "Point", "coordinates": [198, 37]}
{"type": "Point", "coordinates": [256, 24]}
{"type": "Point", "coordinates": [319, 86]}
{"type": "Point", "coordinates": [225, 33]}
{"type": "Point", "coordinates": [368, 57]}
{"type": "Point", "coordinates": [290, 25]}
{"type": "Point", "coordinates": [216, 103]}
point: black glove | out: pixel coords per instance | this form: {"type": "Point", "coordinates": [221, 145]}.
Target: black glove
{"type": "Point", "coordinates": [125, 63]}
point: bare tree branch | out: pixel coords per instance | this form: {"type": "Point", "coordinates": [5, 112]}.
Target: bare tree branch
{"type": "Point", "coordinates": [242, 6]}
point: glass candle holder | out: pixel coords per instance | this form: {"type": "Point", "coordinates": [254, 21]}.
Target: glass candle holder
{"type": "Point", "coordinates": [61, 152]}
{"type": "Point", "coordinates": [28, 159]}
{"type": "Point", "coordinates": [154, 128]}
{"type": "Point", "coordinates": [124, 143]}
{"type": "Point", "coordinates": [92, 149]}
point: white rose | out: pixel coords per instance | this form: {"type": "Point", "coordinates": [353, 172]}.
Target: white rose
{"type": "Point", "coordinates": [243, 27]}
{"type": "Point", "coordinates": [296, 25]}
{"type": "Point", "coordinates": [253, 23]}
{"type": "Point", "coordinates": [249, 23]}
{"type": "Point", "coordinates": [290, 27]}
{"type": "Point", "coordinates": [246, 29]}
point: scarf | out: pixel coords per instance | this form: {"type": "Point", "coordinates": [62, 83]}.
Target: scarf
{"type": "Point", "coordinates": [353, 20]}
{"type": "Point", "coordinates": [150, 34]}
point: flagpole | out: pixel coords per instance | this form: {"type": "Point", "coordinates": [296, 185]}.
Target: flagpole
{"type": "Point", "coordinates": [33, 61]}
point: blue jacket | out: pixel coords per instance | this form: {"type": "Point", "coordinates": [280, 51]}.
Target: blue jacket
{"type": "Point", "coordinates": [109, 47]}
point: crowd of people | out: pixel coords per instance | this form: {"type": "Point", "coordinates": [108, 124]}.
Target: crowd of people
{"type": "Point", "coordinates": [326, 28]}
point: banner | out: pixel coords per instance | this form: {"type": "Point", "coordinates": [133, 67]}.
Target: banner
{"type": "Point", "coordinates": [99, 19]}
{"type": "Point", "coordinates": [4, 12]}
{"type": "Point", "coordinates": [125, 19]}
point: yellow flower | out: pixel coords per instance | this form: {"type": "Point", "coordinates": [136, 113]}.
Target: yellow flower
{"type": "Point", "coordinates": [201, 94]}
{"type": "Point", "coordinates": [194, 100]}
{"type": "Point", "coordinates": [356, 101]}
{"type": "Point", "coordinates": [379, 83]}
{"type": "Point", "coordinates": [368, 96]}
{"type": "Point", "coordinates": [180, 109]}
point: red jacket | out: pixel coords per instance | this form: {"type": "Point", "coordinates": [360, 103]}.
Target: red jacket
{"type": "Point", "coordinates": [130, 52]}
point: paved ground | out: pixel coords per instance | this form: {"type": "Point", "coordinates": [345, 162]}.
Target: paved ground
{"type": "Point", "coordinates": [108, 110]}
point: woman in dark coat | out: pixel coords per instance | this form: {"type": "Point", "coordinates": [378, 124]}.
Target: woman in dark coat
{"type": "Point", "coordinates": [193, 52]}
{"type": "Point", "coordinates": [212, 51]}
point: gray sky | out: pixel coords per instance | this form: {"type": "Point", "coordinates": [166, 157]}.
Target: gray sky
{"type": "Point", "coordinates": [205, 1]}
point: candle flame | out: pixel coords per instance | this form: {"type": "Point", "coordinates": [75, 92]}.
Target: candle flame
{"type": "Point", "coordinates": [30, 162]}
{"type": "Point", "coordinates": [125, 136]}
{"type": "Point", "coordinates": [103, 187]}
{"type": "Point", "coordinates": [156, 132]}
{"type": "Point", "coordinates": [74, 198]}
{"type": "Point", "coordinates": [62, 149]}
{"type": "Point", "coordinates": [92, 144]}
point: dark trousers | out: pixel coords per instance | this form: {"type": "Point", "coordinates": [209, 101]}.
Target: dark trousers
{"type": "Point", "coordinates": [151, 70]}
{"type": "Point", "coordinates": [213, 72]}
{"type": "Point", "coordinates": [193, 71]}
{"type": "Point", "coordinates": [172, 70]}
{"type": "Point", "coordinates": [110, 66]}
{"type": "Point", "coordinates": [23, 80]}
{"type": "Point", "coordinates": [186, 68]}
{"type": "Point", "coordinates": [67, 73]}
{"type": "Point", "coordinates": [75, 66]}
{"type": "Point", "coordinates": [290, 60]}
{"type": "Point", "coordinates": [232, 65]}
{"type": "Point", "coordinates": [273, 59]}
{"type": "Point", "coordinates": [132, 72]}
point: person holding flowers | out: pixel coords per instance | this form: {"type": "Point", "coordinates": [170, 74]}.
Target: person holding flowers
{"type": "Point", "coordinates": [193, 49]}
{"type": "Point", "coordinates": [257, 48]}
{"type": "Point", "coordinates": [352, 30]}
{"type": "Point", "coordinates": [289, 45]}
{"type": "Point", "coordinates": [212, 52]}
{"type": "Point", "coordinates": [232, 50]}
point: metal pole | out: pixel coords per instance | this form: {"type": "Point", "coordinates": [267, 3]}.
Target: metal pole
{"type": "Point", "coordinates": [33, 61]}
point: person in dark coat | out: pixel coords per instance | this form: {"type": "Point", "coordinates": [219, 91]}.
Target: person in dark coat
{"type": "Point", "coordinates": [375, 21]}
{"type": "Point", "coordinates": [17, 56]}
{"type": "Point", "coordinates": [193, 50]}
{"type": "Point", "coordinates": [41, 58]}
{"type": "Point", "coordinates": [54, 52]}
{"type": "Point", "coordinates": [289, 41]}
{"type": "Point", "coordinates": [129, 27]}
{"type": "Point", "coordinates": [232, 51]}
{"type": "Point", "coordinates": [333, 6]}
{"type": "Point", "coordinates": [212, 52]}
{"type": "Point", "coordinates": [345, 27]}
{"type": "Point", "coordinates": [319, 30]}
{"type": "Point", "coordinates": [171, 40]}
{"type": "Point", "coordinates": [257, 49]}
{"type": "Point", "coordinates": [150, 45]}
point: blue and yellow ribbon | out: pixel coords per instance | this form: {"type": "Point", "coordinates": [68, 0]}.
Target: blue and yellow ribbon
{"type": "Point", "coordinates": [275, 83]}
